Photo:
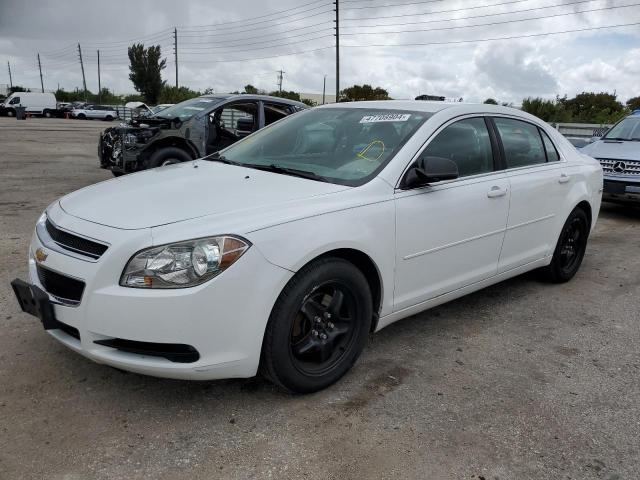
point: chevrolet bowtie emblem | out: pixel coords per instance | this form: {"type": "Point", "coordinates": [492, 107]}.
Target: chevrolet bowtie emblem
{"type": "Point", "coordinates": [41, 255]}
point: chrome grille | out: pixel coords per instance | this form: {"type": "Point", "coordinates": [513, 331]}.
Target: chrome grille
{"type": "Point", "coordinates": [613, 166]}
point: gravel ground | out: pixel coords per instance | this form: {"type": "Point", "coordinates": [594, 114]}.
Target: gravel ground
{"type": "Point", "coordinates": [520, 380]}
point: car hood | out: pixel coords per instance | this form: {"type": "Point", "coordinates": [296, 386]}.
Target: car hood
{"type": "Point", "coordinates": [613, 149]}
{"type": "Point", "coordinates": [186, 191]}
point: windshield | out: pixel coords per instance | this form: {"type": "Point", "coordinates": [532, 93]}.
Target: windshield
{"type": "Point", "coordinates": [627, 129]}
{"type": "Point", "coordinates": [187, 109]}
{"type": "Point", "coordinates": [348, 146]}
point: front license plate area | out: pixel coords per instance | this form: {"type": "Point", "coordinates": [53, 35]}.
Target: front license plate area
{"type": "Point", "coordinates": [35, 301]}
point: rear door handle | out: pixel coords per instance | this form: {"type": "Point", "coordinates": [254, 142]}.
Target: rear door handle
{"type": "Point", "coordinates": [496, 192]}
{"type": "Point", "coordinates": [564, 178]}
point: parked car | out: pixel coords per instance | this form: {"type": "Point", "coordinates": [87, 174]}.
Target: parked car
{"type": "Point", "coordinates": [286, 249]}
{"type": "Point", "coordinates": [619, 153]}
{"type": "Point", "coordinates": [35, 103]}
{"type": "Point", "coordinates": [579, 142]}
{"type": "Point", "coordinates": [188, 130]}
{"type": "Point", "coordinates": [101, 112]}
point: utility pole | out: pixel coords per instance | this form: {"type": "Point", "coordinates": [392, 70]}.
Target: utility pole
{"type": "Point", "coordinates": [337, 50]}
{"type": "Point", "coordinates": [175, 52]}
{"type": "Point", "coordinates": [84, 80]}
{"type": "Point", "coordinates": [324, 87]}
{"type": "Point", "coordinates": [10, 79]}
{"type": "Point", "coordinates": [99, 84]}
{"type": "Point", "coordinates": [40, 68]}
{"type": "Point", "coordinates": [280, 73]}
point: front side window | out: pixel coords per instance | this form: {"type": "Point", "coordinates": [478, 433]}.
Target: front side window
{"type": "Point", "coordinates": [14, 100]}
{"type": "Point", "coordinates": [274, 112]}
{"type": "Point", "coordinates": [467, 143]}
{"type": "Point", "coordinates": [348, 146]}
{"type": "Point", "coordinates": [521, 142]}
{"type": "Point", "coordinates": [552, 153]}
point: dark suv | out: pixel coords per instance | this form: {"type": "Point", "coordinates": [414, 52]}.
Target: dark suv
{"type": "Point", "coordinates": [188, 130]}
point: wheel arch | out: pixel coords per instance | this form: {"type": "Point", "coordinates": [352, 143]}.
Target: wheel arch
{"type": "Point", "coordinates": [173, 141]}
{"type": "Point", "coordinates": [369, 269]}
{"type": "Point", "coordinates": [586, 206]}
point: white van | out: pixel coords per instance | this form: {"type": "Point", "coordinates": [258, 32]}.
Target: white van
{"type": "Point", "coordinates": [34, 102]}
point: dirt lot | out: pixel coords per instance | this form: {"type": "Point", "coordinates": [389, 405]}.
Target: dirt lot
{"type": "Point", "coordinates": [521, 380]}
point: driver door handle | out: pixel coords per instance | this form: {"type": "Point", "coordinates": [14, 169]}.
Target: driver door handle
{"type": "Point", "coordinates": [496, 191]}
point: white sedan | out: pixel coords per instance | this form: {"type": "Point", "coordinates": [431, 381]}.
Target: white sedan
{"type": "Point", "coordinates": [284, 251]}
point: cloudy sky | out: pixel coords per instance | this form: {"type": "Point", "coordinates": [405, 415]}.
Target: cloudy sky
{"type": "Point", "coordinates": [409, 47]}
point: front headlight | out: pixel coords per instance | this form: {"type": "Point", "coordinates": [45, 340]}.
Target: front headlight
{"type": "Point", "coordinates": [183, 264]}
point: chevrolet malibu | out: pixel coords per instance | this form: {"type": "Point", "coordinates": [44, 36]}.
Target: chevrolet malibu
{"type": "Point", "coordinates": [282, 252]}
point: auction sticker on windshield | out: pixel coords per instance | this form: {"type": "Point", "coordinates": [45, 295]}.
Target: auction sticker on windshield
{"type": "Point", "coordinates": [387, 117]}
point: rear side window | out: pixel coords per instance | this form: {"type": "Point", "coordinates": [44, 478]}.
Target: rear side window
{"type": "Point", "coordinates": [552, 153]}
{"type": "Point", "coordinates": [467, 143]}
{"type": "Point", "coordinates": [521, 142]}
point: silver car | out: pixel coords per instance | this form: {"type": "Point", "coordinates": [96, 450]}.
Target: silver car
{"type": "Point", "coordinates": [618, 151]}
{"type": "Point", "coordinates": [101, 112]}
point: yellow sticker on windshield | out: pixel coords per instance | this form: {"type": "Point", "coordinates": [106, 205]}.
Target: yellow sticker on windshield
{"type": "Point", "coordinates": [373, 151]}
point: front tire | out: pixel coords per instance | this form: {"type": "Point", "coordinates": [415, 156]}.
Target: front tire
{"type": "Point", "coordinates": [109, 118]}
{"type": "Point", "coordinates": [81, 116]}
{"type": "Point", "coordinates": [168, 156]}
{"type": "Point", "coordinates": [318, 327]}
{"type": "Point", "coordinates": [570, 248]}
{"type": "Point", "coordinates": [11, 112]}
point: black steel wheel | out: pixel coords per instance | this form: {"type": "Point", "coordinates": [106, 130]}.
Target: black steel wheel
{"type": "Point", "coordinates": [570, 248]}
{"type": "Point", "coordinates": [318, 327]}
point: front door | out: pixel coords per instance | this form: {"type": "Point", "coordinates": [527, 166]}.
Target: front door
{"type": "Point", "coordinates": [449, 234]}
{"type": "Point", "coordinates": [230, 123]}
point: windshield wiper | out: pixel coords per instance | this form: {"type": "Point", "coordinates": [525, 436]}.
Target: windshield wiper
{"type": "Point", "coordinates": [294, 172]}
{"type": "Point", "coordinates": [216, 157]}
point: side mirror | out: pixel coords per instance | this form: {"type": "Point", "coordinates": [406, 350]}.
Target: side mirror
{"type": "Point", "coordinates": [428, 170]}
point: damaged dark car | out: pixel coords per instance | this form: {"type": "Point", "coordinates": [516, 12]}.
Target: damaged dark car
{"type": "Point", "coordinates": [188, 130]}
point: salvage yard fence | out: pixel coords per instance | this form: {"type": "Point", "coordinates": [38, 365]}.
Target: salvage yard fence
{"type": "Point", "coordinates": [582, 130]}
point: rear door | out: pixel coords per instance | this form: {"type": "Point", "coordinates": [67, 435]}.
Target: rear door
{"type": "Point", "coordinates": [449, 234]}
{"type": "Point", "coordinates": [540, 180]}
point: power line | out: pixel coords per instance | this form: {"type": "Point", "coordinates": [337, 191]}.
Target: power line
{"type": "Point", "coordinates": [243, 28]}
{"type": "Point", "coordinates": [260, 58]}
{"type": "Point", "coordinates": [433, 12]}
{"type": "Point", "coordinates": [484, 15]}
{"type": "Point", "coordinates": [264, 34]}
{"type": "Point", "coordinates": [223, 24]}
{"type": "Point", "coordinates": [513, 37]}
{"type": "Point", "coordinates": [495, 23]}
{"type": "Point", "coordinates": [226, 45]}
{"type": "Point", "coordinates": [258, 48]}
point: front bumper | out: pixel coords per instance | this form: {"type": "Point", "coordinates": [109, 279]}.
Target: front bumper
{"type": "Point", "coordinates": [223, 320]}
{"type": "Point", "coordinates": [621, 189]}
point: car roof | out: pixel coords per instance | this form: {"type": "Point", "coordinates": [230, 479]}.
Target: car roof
{"type": "Point", "coordinates": [249, 96]}
{"type": "Point", "coordinates": [426, 106]}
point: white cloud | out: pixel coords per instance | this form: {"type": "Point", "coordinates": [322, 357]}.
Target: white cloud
{"type": "Point", "coordinates": [600, 60]}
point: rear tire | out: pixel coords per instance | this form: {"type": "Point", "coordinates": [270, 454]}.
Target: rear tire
{"type": "Point", "coordinates": [318, 326]}
{"type": "Point", "coordinates": [47, 114]}
{"type": "Point", "coordinates": [168, 156]}
{"type": "Point", "coordinates": [109, 118]}
{"type": "Point", "coordinates": [570, 249]}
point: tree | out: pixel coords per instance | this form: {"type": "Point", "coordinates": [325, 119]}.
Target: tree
{"type": "Point", "coordinates": [145, 66]}
{"type": "Point", "coordinates": [17, 88]}
{"type": "Point", "coordinates": [633, 103]}
{"type": "Point", "coordinates": [490, 101]}
{"type": "Point", "coordinates": [284, 94]}
{"type": "Point", "coordinates": [365, 92]}
{"type": "Point", "coordinates": [590, 107]}
{"type": "Point", "coordinates": [547, 110]}
{"type": "Point", "coordinates": [250, 89]}
{"type": "Point", "coordinates": [176, 94]}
